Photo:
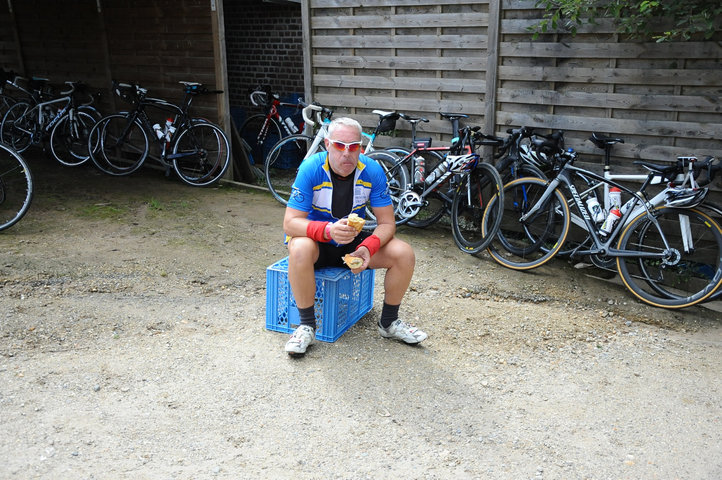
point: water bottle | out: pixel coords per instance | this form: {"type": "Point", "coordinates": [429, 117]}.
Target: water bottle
{"type": "Point", "coordinates": [595, 209]}
{"type": "Point", "coordinates": [158, 131]}
{"type": "Point", "coordinates": [615, 198]}
{"type": "Point", "coordinates": [438, 171]}
{"type": "Point", "coordinates": [608, 225]}
{"type": "Point", "coordinates": [419, 169]}
{"type": "Point", "coordinates": [169, 129]}
{"type": "Point", "coordinates": [291, 126]}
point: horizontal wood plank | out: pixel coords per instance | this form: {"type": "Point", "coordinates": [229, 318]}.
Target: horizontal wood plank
{"type": "Point", "coordinates": [452, 63]}
{"type": "Point", "coordinates": [402, 83]}
{"type": "Point", "coordinates": [656, 102]}
{"type": "Point", "coordinates": [456, 19]}
{"type": "Point", "coordinates": [656, 128]}
{"type": "Point", "coordinates": [611, 50]}
{"type": "Point", "coordinates": [632, 76]}
{"type": "Point", "coordinates": [400, 41]}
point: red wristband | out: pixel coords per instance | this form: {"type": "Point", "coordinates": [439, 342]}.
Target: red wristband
{"type": "Point", "coordinates": [315, 229]}
{"type": "Point", "coordinates": [373, 243]}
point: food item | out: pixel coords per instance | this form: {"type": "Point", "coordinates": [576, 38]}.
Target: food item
{"type": "Point", "coordinates": [356, 222]}
{"type": "Point", "coordinates": [353, 262]}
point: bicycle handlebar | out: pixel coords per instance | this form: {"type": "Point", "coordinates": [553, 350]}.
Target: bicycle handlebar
{"type": "Point", "coordinates": [320, 113]}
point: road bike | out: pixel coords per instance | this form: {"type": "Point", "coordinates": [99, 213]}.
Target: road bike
{"type": "Point", "coordinates": [667, 251]}
{"type": "Point", "coordinates": [262, 130]}
{"type": "Point", "coordinates": [66, 121]}
{"type": "Point", "coordinates": [16, 187]}
{"type": "Point", "coordinates": [286, 156]}
{"type": "Point", "coordinates": [460, 180]}
{"type": "Point", "coordinates": [195, 148]}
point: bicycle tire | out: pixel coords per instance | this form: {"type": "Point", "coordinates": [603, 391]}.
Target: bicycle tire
{"type": "Point", "coordinates": [683, 279]}
{"type": "Point", "coordinates": [16, 187]}
{"type": "Point", "coordinates": [117, 146]}
{"type": "Point", "coordinates": [472, 197]}
{"type": "Point", "coordinates": [69, 139]}
{"type": "Point", "coordinates": [6, 101]}
{"type": "Point", "coordinates": [259, 139]}
{"type": "Point", "coordinates": [18, 123]}
{"type": "Point", "coordinates": [518, 245]}
{"type": "Point", "coordinates": [282, 164]}
{"type": "Point", "coordinates": [201, 154]}
{"type": "Point", "coordinates": [397, 179]}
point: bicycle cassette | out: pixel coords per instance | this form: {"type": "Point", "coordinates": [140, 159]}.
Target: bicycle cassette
{"type": "Point", "coordinates": [409, 204]}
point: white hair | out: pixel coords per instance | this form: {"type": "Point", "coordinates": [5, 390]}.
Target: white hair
{"type": "Point", "coordinates": [346, 122]}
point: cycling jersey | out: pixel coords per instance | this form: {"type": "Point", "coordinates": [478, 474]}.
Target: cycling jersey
{"type": "Point", "coordinates": [312, 191]}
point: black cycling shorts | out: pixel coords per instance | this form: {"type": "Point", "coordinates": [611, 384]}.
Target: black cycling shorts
{"type": "Point", "coordinates": [332, 255]}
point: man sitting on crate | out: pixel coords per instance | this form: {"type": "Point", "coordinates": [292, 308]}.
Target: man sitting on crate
{"type": "Point", "coordinates": [330, 186]}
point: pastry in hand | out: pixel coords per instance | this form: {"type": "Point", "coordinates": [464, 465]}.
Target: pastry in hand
{"type": "Point", "coordinates": [353, 262]}
{"type": "Point", "coordinates": [356, 222]}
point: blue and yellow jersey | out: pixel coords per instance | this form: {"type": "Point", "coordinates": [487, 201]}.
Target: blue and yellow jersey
{"type": "Point", "coordinates": [312, 190]}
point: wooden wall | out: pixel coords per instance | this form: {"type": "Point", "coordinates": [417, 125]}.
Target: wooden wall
{"type": "Point", "coordinates": [156, 43]}
{"type": "Point", "coordinates": [478, 58]}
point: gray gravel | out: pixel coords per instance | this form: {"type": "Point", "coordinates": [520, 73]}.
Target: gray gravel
{"type": "Point", "coordinates": [132, 345]}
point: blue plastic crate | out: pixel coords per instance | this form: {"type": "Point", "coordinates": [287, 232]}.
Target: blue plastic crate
{"type": "Point", "coordinates": [342, 298]}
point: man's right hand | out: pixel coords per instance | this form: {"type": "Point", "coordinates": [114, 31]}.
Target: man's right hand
{"type": "Point", "coordinates": [342, 233]}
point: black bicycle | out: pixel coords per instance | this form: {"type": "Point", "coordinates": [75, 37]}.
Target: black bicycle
{"type": "Point", "coordinates": [195, 148]}
{"type": "Point", "coordinates": [16, 187]}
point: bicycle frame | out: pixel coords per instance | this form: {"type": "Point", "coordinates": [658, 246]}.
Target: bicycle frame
{"type": "Point", "coordinates": [602, 246]}
{"type": "Point", "coordinates": [41, 118]}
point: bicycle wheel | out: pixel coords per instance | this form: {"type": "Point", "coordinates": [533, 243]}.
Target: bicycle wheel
{"type": "Point", "coordinates": [201, 154]}
{"type": "Point", "coordinates": [471, 199]}
{"type": "Point", "coordinates": [6, 101]}
{"type": "Point", "coordinates": [522, 245]}
{"type": "Point", "coordinates": [16, 187]}
{"type": "Point", "coordinates": [434, 205]}
{"type": "Point", "coordinates": [118, 146]}
{"type": "Point", "coordinates": [397, 179]}
{"type": "Point", "coordinates": [282, 164]}
{"type": "Point", "coordinates": [69, 139]}
{"type": "Point", "coordinates": [261, 134]}
{"type": "Point", "coordinates": [691, 269]}
{"type": "Point", "coordinates": [18, 126]}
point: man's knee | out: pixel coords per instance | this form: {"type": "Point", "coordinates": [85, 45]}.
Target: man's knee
{"type": "Point", "coordinates": [302, 250]}
{"type": "Point", "coordinates": [399, 253]}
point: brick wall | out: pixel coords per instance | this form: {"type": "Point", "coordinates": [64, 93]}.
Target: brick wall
{"type": "Point", "coordinates": [263, 46]}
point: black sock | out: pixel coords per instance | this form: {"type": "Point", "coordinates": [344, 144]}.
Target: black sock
{"type": "Point", "coordinates": [389, 313]}
{"type": "Point", "coordinates": [308, 317]}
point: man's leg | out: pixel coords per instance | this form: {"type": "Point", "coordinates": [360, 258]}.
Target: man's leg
{"type": "Point", "coordinates": [398, 258]}
{"type": "Point", "coordinates": [302, 254]}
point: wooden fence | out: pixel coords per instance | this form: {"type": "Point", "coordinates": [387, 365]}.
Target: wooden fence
{"type": "Point", "coordinates": [479, 58]}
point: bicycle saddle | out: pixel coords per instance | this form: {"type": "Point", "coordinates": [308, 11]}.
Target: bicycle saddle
{"type": "Point", "coordinates": [453, 116]}
{"type": "Point", "coordinates": [411, 119]}
{"type": "Point", "coordinates": [667, 171]}
{"type": "Point", "coordinates": [603, 141]}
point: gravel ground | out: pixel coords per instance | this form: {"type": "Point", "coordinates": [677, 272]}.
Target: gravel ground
{"type": "Point", "coordinates": [133, 346]}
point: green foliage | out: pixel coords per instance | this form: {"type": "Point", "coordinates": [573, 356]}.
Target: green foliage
{"type": "Point", "coordinates": [664, 20]}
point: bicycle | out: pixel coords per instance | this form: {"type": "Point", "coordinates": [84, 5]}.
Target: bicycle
{"type": "Point", "coordinates": [64, 120]}
{"type": "Point", "coordinates": [196, 149]}
{"type": "Point", "coordinates": [409, 165]}
{"type": "Point", "coordinates": [286, 155]}
{"type": "Point", "coordinates": [460, 181]}
{"type": "Point", "coordinates": [262, 130]}
{"type": "Point", "coordinates": [16, 187]}
{"type": "Point", "coordinates": [667, 252]}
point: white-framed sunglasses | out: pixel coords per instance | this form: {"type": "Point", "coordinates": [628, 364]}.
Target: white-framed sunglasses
{"type": "Point", "coordinates": [343, 146]}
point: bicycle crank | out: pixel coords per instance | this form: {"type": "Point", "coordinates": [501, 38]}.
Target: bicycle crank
{"type": "Point", "coordinates": [409, 204]}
